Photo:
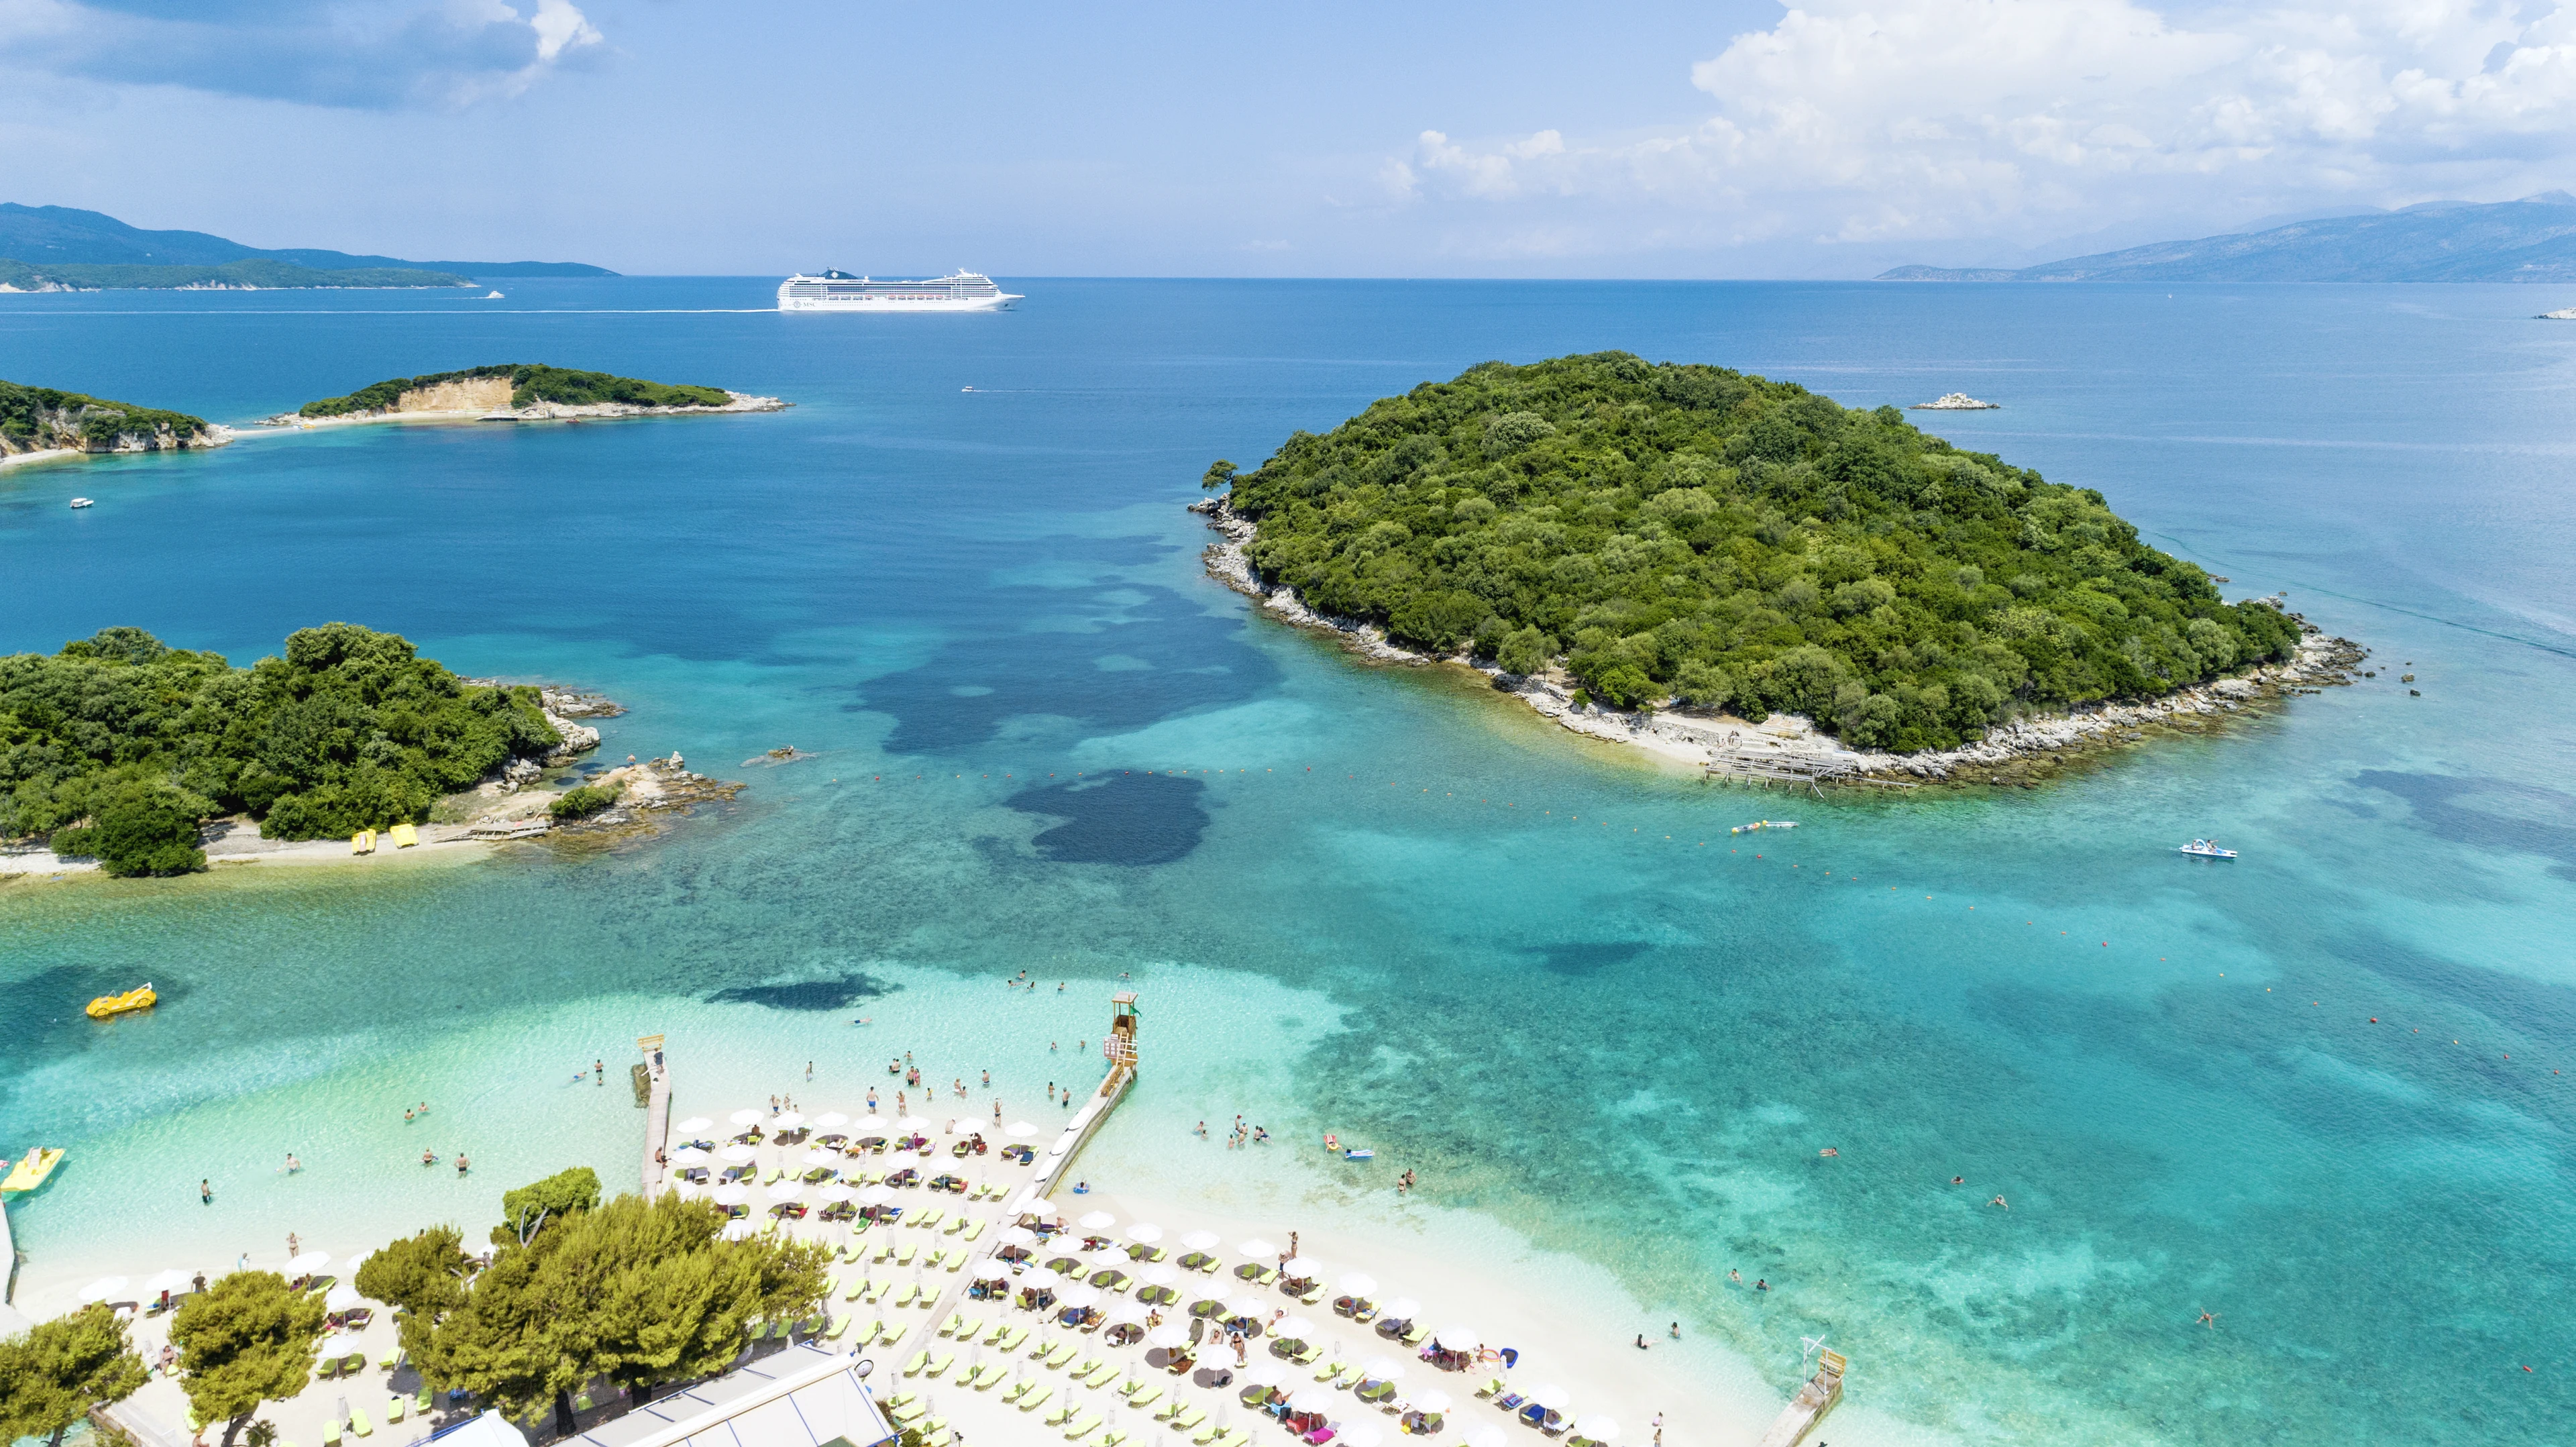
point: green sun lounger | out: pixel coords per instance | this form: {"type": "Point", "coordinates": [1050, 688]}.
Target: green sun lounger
{"type": "Point", "coordinates": [955, 1224]}
{"type": "Point", "coordinates": [1108, 1373]}
{"type": "Point", "coordinates": [325, 1369]}
{"type": "Point", "coordinates": [1035, 1397]}
{"type": "Point", "coordinates": [949, 1327]}
{"type": "Point", "coordinates": [987, 1377]}
{"type": "Point", "coordinates": [840, 1325]}
{"type": "Point", "coordinates": [1350, 1378]}
{"type": "Point", "coordinates": [1012, 1336]}
{"type": "Point", "coordinates": [390, 1360]}
{"type": "Point", "coordinates": [1206, 1434]}
{"type": "Point", "coordinates": [1113, 1437]}
{"type": "Point", "coordinates": [1063, 1413]}
{"type": "Point", "coordinates": [931, 1217]}
{"type": "Point", "coordinates": [903, 1254]}
{"type": "Point", "coordinates": [330, 1434]}
{"type": "Point", "coordinates": [353, 1363]}
{"type": "Point", "coordinates": [1330, 1371]}
{"type": "Point", "coordinates": [1493, 1387]}
{"type": "Point", "coordinates": [1233, 1437]}
{"type": "Point", "coordinates": [1018, 1389]}
{"type": "Point", "coordinates": [1413, 1338]}
{"type": "Point", "coordinates": [1171, 1409]}
{"type": "Point", "coordinates": [1146, 1398]}
{"type": "Point", "coordinates": [1307, 1357]}
{"type": "Point", "coordinates": [973, 1230]}
{"type": "Point", "coordinates": [1082, 1427]}
{"type": "Point", "coordinates": [889, 1332]}
{"type": "Point", "coordinates": [971, 1330]}
{"type": "Point", "coordinates": [359, 1424]}
{"type": "Point", "coordinates": [909, 1413]}
{"type": "Point", "coordinates": [393, 1410]}
{"type": "Point", "coordinates": [940, 1367]}
{"type": "Point", "coordinates": [919, 1360]}
{"type": "Point", "coordinates": [420, 1403]}
{"type": "Point", "coordinates": [1062, 1353]}
{"type": "Point", "coordinates": [1189, 1417]}
{"type": "Point", "coordinates": [935, 1259]}
{"type": "Point", "coordinates": [1084, 1368]}
{"type": "Point", "coordinates": [859, 1286]}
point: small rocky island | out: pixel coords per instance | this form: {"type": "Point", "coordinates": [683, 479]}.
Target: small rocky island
{"type": "Point", "coordinates": [519, 392]}
{"type": "Point", "coordinates": [44, 421]}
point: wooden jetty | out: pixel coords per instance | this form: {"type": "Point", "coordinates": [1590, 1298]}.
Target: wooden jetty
{"type": "Point", "coordinates": [657, 1113]}
{"type": "Point", "coordinates": [1811, 1404]}
{"type": "Point", "coordinates": [1119, 1046]}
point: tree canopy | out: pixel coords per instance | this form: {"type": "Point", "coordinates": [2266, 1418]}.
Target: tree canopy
{"type": "Point", "coordinates": [637, 1292]}
{"type": "Point", "coordinates": [1699, 533]}
{"type": "Point", "coordinates": [51, 1376]}
{"type": "Point", "coordinates": [243, 1341]}
{"type": "Point", "coordinates": [119, 744]}
{"type": "Point", "coordinates": [38, 417]}
{"type": "Point", "coordinates": [422, 1275]}
{"type": "Point", "coordinates": [530, 383]}
{"type": "Point", "coordinates": [525, 1211]}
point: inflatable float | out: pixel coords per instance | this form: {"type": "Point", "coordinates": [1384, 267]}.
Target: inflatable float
{"type": "Point", "coordinates": [106, 1005]}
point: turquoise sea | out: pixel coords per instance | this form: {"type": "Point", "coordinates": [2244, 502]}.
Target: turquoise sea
{"type": "Point", "coordinates": [2316, 1091]}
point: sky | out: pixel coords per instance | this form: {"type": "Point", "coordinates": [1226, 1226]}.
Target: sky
{"type": "Point", "coordinates": [1737, 138]}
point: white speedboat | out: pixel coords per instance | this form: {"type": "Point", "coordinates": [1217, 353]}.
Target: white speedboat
{"type": "Point", "coordinates": [83, 502]}
{"type": "Point", "coordinates": [2207, 849]}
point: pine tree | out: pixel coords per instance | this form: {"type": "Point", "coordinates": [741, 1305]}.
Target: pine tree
{"type": "Point", "coordinates": [53, 1375]}
{"type": "Point", "coordinates": [245, 1341]}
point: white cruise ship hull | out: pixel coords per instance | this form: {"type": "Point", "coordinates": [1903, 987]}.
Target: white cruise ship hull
{"type": "Point", "coordinates": [838, 291]}
{"type": "Point", "coordinates": [896, 304]}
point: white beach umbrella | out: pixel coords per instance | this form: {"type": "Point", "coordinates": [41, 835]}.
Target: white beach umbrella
{"type": "Point", "coordinates": [1019, 1128]}
{"type": "Point", "coordinates": [1382, 1369]}
{"type": "Point", "coordinates": [1361, 1434]}
{"type": "Point", "coordinates": [869, 1125]}
{"type": "Point", "coordinates": [1294, 1328]}
{"type": "Point", "coordinates": [731, 1193]}
{"type": "Point", "coordinates": [1145, 1233]}
{"type": "Point", "coordinates": [173, 1279]}
{"type": "Point", "coordinates": [1597, 1427]}
{"type": "Point", "coordinates": [1550, 1396]}
{"type": "Point", "coordinates": [738, 1154]}
{"type": "Point", "coordinates": [1168, 1336]}
{"type": "Point", "coordinates": [912, 1123]}
{"type": "Point", "coordinates": [820, 1157]}
{"type": "Point", "coordinates": [876, 1195]}
{"type": "Point", "coordinates": [690, 1156]}
{"type": "Point", "coordinates": [1098, 1220]}
{"type": "Point", "coordinates": [1256, 1247]}
{"type": "Point", "coordinates": [1079, 1296]}
{"type": "Point", "coordinates": [1163, 1275]}
{"type": "Point", "coordinates": [1314, 1399]}
{"type": "Point", "coordinates": [1199, 1241]}
{"type": "Point", "coordinates": [308, 1263]}
{"type": "Point", "coordinates": [341, 1296]}
{"type": "Point", "coordinates": [1301, 1268]}
{"type": "Point", "coordinates": [102, 1289]}
{"type": "Point", "coordinates": [993, 1271]}
{"type": "Point", "coordinates": [1403, 1308]}
{"type": "Point", "coordinates": [789, 1120]}
{"type": "Point", "coordinates": [1018, 1236]}
{"type": "Point", "coordinates": [739, 1230]}
{"type": "Point", "coordinates": [1432, 1400]}
{"type": "Point", "coordinates": [1107, 1258]}
{"type": "Point", "coordinates": [837, 1191]}
{"type": "Point", "coordinates": [1244, 1305]}
{"type": "Point", "coordinates": [1358, 1283]}
{"type": "Point", "coordinates": [744, 1117]}
{"type": "Point", "coordinates": [693, 1125]}
{"type": "Point", "coordinates": [1123, 1312]}
{"type": "Point", "coordinates": [1268, 1372]}
{"type": "Point", "coordinates": [1484, 1434]}
{"type": "Point", "coordinates": [1038, 1278]}
{"type": "Point", "coordinates": [1458, 1338]}
{"type": "Point", "coordinates": [831, 1120]}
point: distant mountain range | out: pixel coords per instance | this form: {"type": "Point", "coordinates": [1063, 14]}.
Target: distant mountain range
{"type": "Point", "coordinates": [2533, 239]}
{"type": "Point", "coordinates": [44, 236]}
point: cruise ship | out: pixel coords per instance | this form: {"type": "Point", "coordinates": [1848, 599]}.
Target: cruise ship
{"type": "Point", "coordinates": [838, 291]}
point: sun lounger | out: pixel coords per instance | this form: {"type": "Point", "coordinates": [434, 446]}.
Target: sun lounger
{"type": "Point", "coordinates": [1019, 1389]}
{"type": "Point", "coordinates": [973, 1230]}
{"type": "Point", "coordinates": [949, 1327]}
{"type": "Point", "coordinates": [840, 1325]}
{"type": "Point", "coordinates": [1233, 1437]}
{"type": "Point", "coordinates": [1510, 1401]}
{"type": "Point", "coordinates": [903, 1254]}
{"type": "Point", "coordinates": [909, 1413]}
{"type": "Point", "coordinates": [987, 1376]}
{"type": "Point", "coordinates": [939, 1368]}
{"type": "Point", "coordinates": [359, 1424]}
{"type": "Point", "coordinates": [331, 1434]}
{"type": "Point", "coordinates": [930, 1217]}
{"type": "Point", "coordinates": [1313, 1294]}
{"type": "Point", "coordinates": [884, 1250]}
{"type": "Point", "coordinates": [1146, 1398]}
{"type": "Point", "coordinates": [1036, 1396]}
{"type": "Point", "coordinates": [1330, 1370]}
{"type": "Point", "coordinates": [325, 1369]}
{"type": "Point", "coordinates": [919, 1360]}
{"type": "Point", "coordinates": [353, 1363]}
{"type": "Point", "coordinates": [1012, 1336]}
{"type": "Point", "coordinates": [1171, 1409]}
{"type": "Point", "coordinates": [1307, 1357]}
{"type": "Point", "coordinates": [1108, 1373]}
{"type": "Point", "coordinates": [1206, 1434]}
{"type": "Point", "coordinates": [1113, 1437]}
{"type": "Point", "coordinates": [1188, 1419]}
{"type": "Point", "coordinates": [859, 1286]}
{"type": "Point", "coordinates": [935, 1259]}
{"type": "Point", "coordinates": [420, 1403]}
{"type": "Point", "coordinates": [1083, 1427]}
{"type": "Point", "coordinates": [1350, 1378]}
{"type": "Point", "coordinates": [1493, 1387]}
{"type": "Point", "coordinates": [390, 1360]}
{"type": "Point", "coordinates": [393, 1411]}
{"type": "Point", "coordinates": [973, 1328]}
{"type": "Point", "coordinates": [955, 1224]}
{"type": "Point", "coordinates": [1060, 1354]}
{"type": "Point", "coordinates": [1414, 1334]}
{"type": "Point", "coordinates": [877, 1291]}
{"type": "Point", "coordinates": [1063, 1413]}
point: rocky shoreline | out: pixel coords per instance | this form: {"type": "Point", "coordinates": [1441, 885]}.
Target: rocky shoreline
{"type": "Point", "coordinates": [1789, 748]}
{"type": "Point", "coordinates": [533, 412]}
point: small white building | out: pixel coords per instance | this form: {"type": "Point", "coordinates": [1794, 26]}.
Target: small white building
{"type": "Point", "coordinates": [804, 1396]}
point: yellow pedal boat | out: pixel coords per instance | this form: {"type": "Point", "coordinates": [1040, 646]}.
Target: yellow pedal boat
{"type": "Point", "coordinates": [106, 1005]}
{"type": "Point", "coordinates": [30, 1173]}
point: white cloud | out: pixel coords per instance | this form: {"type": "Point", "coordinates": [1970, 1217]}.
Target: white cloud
{"type": "Point", "coordinates": [1872, 120]}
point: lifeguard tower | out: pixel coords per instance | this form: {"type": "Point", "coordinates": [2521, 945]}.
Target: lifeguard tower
{"type": "Point", "coordinates": [1119, 1045]}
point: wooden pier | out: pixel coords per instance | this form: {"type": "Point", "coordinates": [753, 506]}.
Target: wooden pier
{"type": "Point", "coordinates": [1120, 1048]}
{"type": "Point", "coordinates": [1811, 1404]}
{"type": "Point", "coordinates": [657, 1113]}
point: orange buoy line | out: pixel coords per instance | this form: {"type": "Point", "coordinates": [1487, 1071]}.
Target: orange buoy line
{"type": "Point", "coordinates": [1549, 814]}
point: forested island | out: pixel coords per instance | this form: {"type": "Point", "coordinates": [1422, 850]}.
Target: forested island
{"type": "Point", "coordinates": [253, 275]}
{"type": "Point", "coordinates": [1691, 534]}
{"type": "Point", "coordinates": [525, 390]}
{"type": "Point", "coordinates": [119, 745]}
{"type": "Point", "coordinates": [46, 419]}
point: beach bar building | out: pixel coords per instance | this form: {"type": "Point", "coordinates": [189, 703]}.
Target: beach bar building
{"type": "Point", "coordinates": [801, 1397]}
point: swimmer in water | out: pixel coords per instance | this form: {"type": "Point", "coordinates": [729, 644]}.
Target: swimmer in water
{"type": "Point", "coordinates": [2000, 1201]}
{"type": "Point", "coordinates": [1958, 1180]}
{"type": "Point", "coordinates": [2209, 1319]}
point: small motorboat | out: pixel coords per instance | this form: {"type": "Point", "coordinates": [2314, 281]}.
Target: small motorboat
{"type": "Point", "coordinates": [83, 502]}
{"type": "Point", "coordinates": [132, 1000]}
{"type": "Point", "coordinates": [30, 1173]}
{"type": "Point", "coordinates": [2207, 849]}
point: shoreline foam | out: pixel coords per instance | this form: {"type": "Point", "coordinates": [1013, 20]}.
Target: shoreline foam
{"type": "Point", "coordinates": [1728, 745]}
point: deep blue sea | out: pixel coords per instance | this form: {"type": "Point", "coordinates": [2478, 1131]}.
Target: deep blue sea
{"type": "Point", "coordinates": [2315, 1092]}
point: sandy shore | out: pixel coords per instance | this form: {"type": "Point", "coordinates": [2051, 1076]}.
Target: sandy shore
{"type": "Point", "coordinates": [1790, 745]}
{"type": "Point", "coordinates": [285, 422]}
{"type": "Point", "coordinates": [42, 454]}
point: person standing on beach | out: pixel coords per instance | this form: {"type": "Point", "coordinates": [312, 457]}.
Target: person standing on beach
{"type": "Point", "coordinates": [294, 1248]}
{"type": "Point", "coordinates": [872, 1100]}
{"type": "Point", "coordinates": [206, 1191]}
{"type": "Point", "coordinates": [809, 1072]}
{"type": "Point", "coordinates": [599, 1071]}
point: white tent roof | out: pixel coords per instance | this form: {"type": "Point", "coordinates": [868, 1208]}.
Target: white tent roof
{"type": "Point", "coordinates": [801, 1397]}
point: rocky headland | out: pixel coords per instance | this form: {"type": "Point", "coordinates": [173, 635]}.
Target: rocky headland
{"type": "Point", "coordinates": [40, 422]}
{"type": "Point", "coordinates": [2023, 751]}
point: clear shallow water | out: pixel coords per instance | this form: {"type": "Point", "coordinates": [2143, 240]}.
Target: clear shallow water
{"type": "Point", "coordinates": [1393, 906]}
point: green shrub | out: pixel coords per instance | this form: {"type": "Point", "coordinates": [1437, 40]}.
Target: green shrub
{"type": "Point", "coordinates": [584, 801]}
{"type": "Point", "coordinates": [141, 830]}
